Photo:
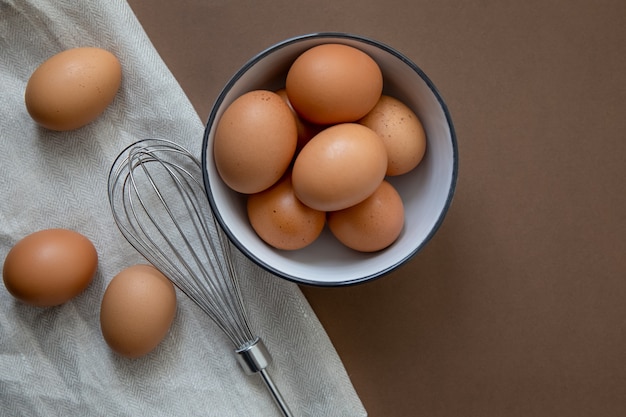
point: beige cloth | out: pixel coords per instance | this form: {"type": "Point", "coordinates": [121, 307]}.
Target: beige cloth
{"type": "Point", "coordinates": [54, 361]}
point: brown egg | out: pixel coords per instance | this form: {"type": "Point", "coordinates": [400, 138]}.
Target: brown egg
{"type": "Point", "coordinates": [306, 129]}
{"type": "Point", "coordinates": [334, 83]}
{"type": "Point", "coordinates": [340, 167]}
{"type": "Point", "coordinates": [49, 267]}
{"type": "Point", "coordinates": [72, 88]}
{"type": "Point", "coordinates": [281, 220]}
{"type": "Point", "coordinates": [371, 225]}
{"type": "Point", "coordinates": [401, 131]}
{"type": "Point", "coordinates": [137, 310]}
{"type": "Point", "coordinates": [255, 141]}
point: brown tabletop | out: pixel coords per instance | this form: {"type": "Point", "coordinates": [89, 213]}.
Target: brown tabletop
{"type": "Point", "coordinates": [517, 306]}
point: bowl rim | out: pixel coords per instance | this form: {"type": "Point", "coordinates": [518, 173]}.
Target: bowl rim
{"type": "Point", "coordinates": [327, 35]}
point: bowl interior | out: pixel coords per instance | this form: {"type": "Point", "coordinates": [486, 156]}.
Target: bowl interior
{"type": "Point", "coordinates": [426, 191]}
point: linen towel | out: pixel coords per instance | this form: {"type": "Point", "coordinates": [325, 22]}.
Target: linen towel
{"type": "Point", "coordinates": [54, 361]}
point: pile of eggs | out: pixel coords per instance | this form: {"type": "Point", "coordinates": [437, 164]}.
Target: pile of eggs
{"type": "Point", "coordinates": [318, 152]}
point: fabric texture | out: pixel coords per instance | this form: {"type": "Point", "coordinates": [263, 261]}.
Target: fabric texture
{"type": "Point", "coordinates": [54, 361]}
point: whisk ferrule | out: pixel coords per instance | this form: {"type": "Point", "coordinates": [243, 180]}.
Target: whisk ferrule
{"type": "Point", "coordinates": [253, 357]}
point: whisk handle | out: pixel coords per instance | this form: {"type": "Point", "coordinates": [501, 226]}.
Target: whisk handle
{"type": "Point", "coordinates": [254, 359]}
{"type": "Point", "coordinates": [278, 399]}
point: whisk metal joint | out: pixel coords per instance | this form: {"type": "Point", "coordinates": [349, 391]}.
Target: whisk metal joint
{"type": "Point", "coordinates": [254, 357]}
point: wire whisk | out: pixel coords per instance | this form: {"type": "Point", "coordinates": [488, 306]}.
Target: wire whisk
{"type": "Point", "coordinates": [159, 204]}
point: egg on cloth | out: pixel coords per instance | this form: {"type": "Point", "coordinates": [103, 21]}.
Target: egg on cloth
{"type": "Point", "coordinates": [137, 310]}
{"type": "Point", "coordinates": [49, 267]}
{"type": "Point", "coordinates": [255, 141]}
{"type": "Point", "coordinates": [72, 88]}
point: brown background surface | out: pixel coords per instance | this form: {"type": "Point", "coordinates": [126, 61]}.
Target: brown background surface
{"type": "Point", "coordinates": [517, 306]}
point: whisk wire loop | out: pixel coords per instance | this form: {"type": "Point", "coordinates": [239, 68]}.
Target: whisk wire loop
{"type": "Point", "coordinates": [188, 257]}
{"type": "Point", "coordinates": [187, 198]}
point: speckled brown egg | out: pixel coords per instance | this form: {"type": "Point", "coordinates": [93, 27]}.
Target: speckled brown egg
{"type": "Point", "coordinates": [137, 310]}
{"type": "Point", "coordinates": [341, 166]}
{"type": "Point", "coordinates": [255, 141]}
{"type": "Point", "coordinates": [401, 131]}
{"type": "Point", "coordinates": [72, 88]}
{"type": "Point", "coordinates": [371, 225]}
{"type": "Point", "coordinates": [334, 83]}
{"type": "Point", "coordinates": [283, 221]}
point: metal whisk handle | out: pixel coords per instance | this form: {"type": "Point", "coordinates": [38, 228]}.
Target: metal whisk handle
{"type": "Point", "coordinates": [254, 358]}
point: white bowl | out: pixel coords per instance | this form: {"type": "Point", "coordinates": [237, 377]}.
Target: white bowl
{"type": "Point", "coordinates": [426, 191]}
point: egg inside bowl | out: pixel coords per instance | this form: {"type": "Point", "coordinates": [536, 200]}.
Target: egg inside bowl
{"type": "Point", "coordinates": [426, 191]}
